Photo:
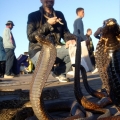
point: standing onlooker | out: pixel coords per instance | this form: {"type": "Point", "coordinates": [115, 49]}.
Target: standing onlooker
{"type": "Point", "coordinates": [79, 32]}
{"type": "Point", "coordinates": [9, 46]}
{"type": "Point", "coordinates": [78, 24]}
{"type": "Point", "coordinates": [90, 46]}
{"type": "Point", "coordinates": [2, 58]}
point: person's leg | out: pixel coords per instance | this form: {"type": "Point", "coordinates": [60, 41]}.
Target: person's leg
{"type": "Point", "coordinates": [64, 64]}
{"type": "Point", "coordinates": [9, 61]}
{"type": "Point", "coordinates": [63, 59]}
{"type": "Point", "coordinates": [2, 68]}
{"type": "Point", "coordinates": [95, 66]}
{"type": "Point", "coordinates": [15, 67]}
{"type": "Point", "coordinates": [61, 73]}
{"type": "Point", "coordinates": [92, 58]}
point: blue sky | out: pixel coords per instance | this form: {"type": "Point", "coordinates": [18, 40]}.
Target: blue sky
{"type": "Point", "coordinates": [17, 10]}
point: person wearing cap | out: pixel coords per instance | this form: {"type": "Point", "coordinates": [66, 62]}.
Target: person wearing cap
{"type": "Point", "coordinates": [9, 46]}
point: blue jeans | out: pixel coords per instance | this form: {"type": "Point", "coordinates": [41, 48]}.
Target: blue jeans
{"type": "Point", "coordinates": [62, 59]}
{"type": "Point", "coordinates": [11, 62]}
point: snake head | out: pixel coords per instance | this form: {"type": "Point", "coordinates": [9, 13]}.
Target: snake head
{"type": "Point", "coordinates": [110, 28]}
{"type": "Point", "coordinates": [111, 34]}
{"type": "Point", "coordinates": [110, 22]}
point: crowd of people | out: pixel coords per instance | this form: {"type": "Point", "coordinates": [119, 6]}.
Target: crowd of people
{"type": "Point", "coordinates": [47, 23]}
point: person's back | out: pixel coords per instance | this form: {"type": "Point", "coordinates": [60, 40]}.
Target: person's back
{"type": "Point", "coordinates": [7, 43]}
{"type": "Point", "coordinates": [76, 26]}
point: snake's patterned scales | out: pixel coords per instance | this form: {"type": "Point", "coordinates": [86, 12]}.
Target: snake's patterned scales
{"type": "Point", "coordinates": [108, 61]}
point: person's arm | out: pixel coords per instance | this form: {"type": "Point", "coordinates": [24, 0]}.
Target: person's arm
{"type": "Point", "coordinates": [32, 30]}
{"type": "Point", "coordinates": [97, 33]}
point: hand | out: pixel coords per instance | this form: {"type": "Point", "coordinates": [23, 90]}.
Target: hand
{"type": "Point", "coordinates": [70, 42]}
{"type": "Point", "coordinates": [52, 20]}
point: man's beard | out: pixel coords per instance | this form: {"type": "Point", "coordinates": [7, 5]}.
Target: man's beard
{"type": "Point", "coordinates": [49, 4]}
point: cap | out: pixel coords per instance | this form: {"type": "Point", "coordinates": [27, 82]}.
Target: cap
{"type": "Point", "coordinates": [10, 22]}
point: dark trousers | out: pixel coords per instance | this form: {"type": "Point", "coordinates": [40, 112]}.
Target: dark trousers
{"type": "Point", "coordinates": [2, 68]}
{"type": "Point", "coordinates": [11, 62]}
{"type": "Point", "coordinates": [92, 58]}
{"type": "Point", "coordinates": [63, 59]}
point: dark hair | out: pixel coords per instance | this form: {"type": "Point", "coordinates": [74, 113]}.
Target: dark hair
{"type": "Point", "coordinates": [79, 9]}
{"type": "Point", "coordinates": [88, 29]}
